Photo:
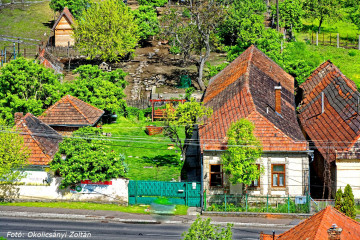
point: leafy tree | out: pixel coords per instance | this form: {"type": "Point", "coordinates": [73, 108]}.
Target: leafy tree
{"type": "Point", "coordinates": [185, 115]}
{"type": "Point", "coordinates": [339, 199]}
{"type": "Point", "coordinates": [244, 22]}
{"type": "Point", "coordinates": [195, 35]}
{"type": "Point", "coordinates": [107, 30]}
{"type": "Point", "coordinates": [76, 7]}
{"type": "Point", "coordinates": [104, 90]}
{"type": "Point", "coordinates": [348, 207]}
{"type": "Point", "coordinates": [153, 3]}
{"type": "Point", "coordinates": [204, 230]}
{"type": "Point", "coordinates": [147, 21]}
{"type": "Point", "coordinates": [290, 12]}
{"type": "Point", "coordinates": [26, 86]}
{"type": "Point", "coordinates": [13, 157]}
{"type": "Point", "coordinates": [322, 10]}
{"type": "Point", "coordinates": [243, 150]}
{"type": "Point", "coordinates": [87, 157]}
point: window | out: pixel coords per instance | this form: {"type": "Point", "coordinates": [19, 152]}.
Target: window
{"type": "Point", "coordinates": [255, 183]}
{"type": "Point", "coordinates": [278, 175]}
{"type": "Point", "coordinates": [216, 176]}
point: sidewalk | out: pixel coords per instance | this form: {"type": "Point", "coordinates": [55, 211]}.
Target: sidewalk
{"type": "Point", "coordinates": [114, 216]}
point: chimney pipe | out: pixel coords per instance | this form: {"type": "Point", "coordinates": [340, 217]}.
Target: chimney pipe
{"type": "Point", "coordinates": [322, 102]}
{"type": "Point", "coordinates": [18, 116]}
{"type": "Point", "coordinates": [334, 233]}
{"type": "Point", "coordinates": [278, 99]}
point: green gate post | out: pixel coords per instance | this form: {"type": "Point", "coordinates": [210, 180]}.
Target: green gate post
{"type": "Point", "coordinates": [186, 194]}
{"type": "Point", "coordinates": [14, 52]}
{"type": "Point", "coordinates": [225, 201]}
{"type": "Point", "coordinates": [288, 203]}
{"type": "Point", "coordinates": [267, 202]}
{"type": "Point", "coordinates": [205, 199]}
{"type": "Point", "coordinates": [246, 203]}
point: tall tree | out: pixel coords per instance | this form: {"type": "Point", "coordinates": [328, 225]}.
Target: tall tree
{"type": "Point", "coordinates": [243, 150]}
{"type": "Point", "coordinates": [86, 156]}
{"type": "Point", "coordinates": [147, 21]}
{"type": "Point", "coordinates": [185, 116]}
{"type": "Point", "coordinates": [107, 30]}
{"type": "Point", "coordinates": [194, 35]}
{"type": "Point", "coordinates": [339, 199]}
{"type": "Point", "coordinates": [348, 207]}
{"type": "Point", "coordinates": [322, 10]}
{"type": "Point", "coordinates": [13, 157]}
{"type": "Point", "coordinates": [26, 86]}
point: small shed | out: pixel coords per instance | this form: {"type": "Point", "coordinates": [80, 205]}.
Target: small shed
{"type": "Point", "coordinates": [63, 29]}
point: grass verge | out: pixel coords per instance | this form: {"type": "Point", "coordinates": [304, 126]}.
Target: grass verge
{"type": "Point", "coordinates": [143, 209]}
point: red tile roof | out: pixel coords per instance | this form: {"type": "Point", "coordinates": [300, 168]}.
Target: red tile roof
{"type": "Point", "coordinates": [66, 13]}
{"type": "Point", "coordinates": [72, 112]}
{"type": "Point", "coordinates": [336, 131]}
{"type": "Point", "coordinates": [245, 89]}
{"type": "Point", "coordinates": [41, 139]}
{"type": "Point", "coordinates": [315, 227]}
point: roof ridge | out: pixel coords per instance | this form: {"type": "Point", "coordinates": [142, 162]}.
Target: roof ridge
{"type": "Point", "coordinates": [325, 211]}
{"type": "Point", "coordinates": [77, 108]}
{"type": "Point", "coordinates": [50, 108]}
{"type": "Point", "coordinates": [65, 12]}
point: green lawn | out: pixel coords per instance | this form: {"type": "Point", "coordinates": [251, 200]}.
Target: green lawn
{"type": "Point", "coordinates": [179, 210]}
{"type": "Point", "coordinates": [29, 21]}
{"type": "Point", "coordinates": [147, 157]}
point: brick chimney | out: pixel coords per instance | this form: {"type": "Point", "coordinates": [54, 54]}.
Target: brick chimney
{"type": "Point", "coordinates": [334, 233]}
{"type": "Point", "coordinates": [278, 99]}
{"type": "Point", "coordinates": [18, 116]}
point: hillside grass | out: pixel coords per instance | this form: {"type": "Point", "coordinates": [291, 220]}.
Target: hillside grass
{"type": "Point", "coordinates": [147, 157]}
{"type": "Point", "coordinates": [27, 21]}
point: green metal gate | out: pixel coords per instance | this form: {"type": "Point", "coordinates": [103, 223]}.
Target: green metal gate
{"type": "Point", "coordinates": [182, 193]}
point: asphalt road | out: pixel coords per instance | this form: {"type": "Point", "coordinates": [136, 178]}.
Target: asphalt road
{"type": "Point", "coordinates": [13, 228]}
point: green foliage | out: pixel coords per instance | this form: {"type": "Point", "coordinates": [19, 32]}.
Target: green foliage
{"type": "Point", "coordinates": [153, 3]}
{"type": "Point", "coordinates": [348, 207]}
{"type": "Point", "coordinates": [188, 92]}
{"type": "Point", "coordinates": [162, 201]}
{"type": "Point", "coordinates": [175, 50]}
{"type": "Point", "coordinates": [243, 150]}
{"type": "Point", "coordinates": [104, 90]}
{"type": "Point", "coordinates": [107, 30]}
{"type": "Point", "coordinates": [339, 199]}
{"type": "Point", "coordinates": [290, 12]}
{"type": "Point", "coordinates": [88, 157]}
{"type": "Point", "coordinates": [76, 7]}
{"type": "Point", "coordinates": [13, 154]}
{"type": "Point", "coordinates": [215, 69]}
{"type": "Point", "coordinates": [147, 21]}
{"type": "Point", "coordinates": [188, 115]}
{"type": "Point", "coordinates": [322, 10]}
{"type": "Point", "coordinates": [26, 86]}
{"type": "Point", "coordinates": [204, 230]}
{"type": "Point", "coordinates": [353, 53]}
{"type": "Point", "coordinates": [244, 22]}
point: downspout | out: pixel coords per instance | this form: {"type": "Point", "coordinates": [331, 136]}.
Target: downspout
{"type": "Point", "coordinates": [202, 183]}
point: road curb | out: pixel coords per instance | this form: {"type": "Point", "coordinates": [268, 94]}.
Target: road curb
{"type": "Point", "coordinates": [76, 217]}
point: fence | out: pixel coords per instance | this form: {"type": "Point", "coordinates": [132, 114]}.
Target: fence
{"type": "Point", "coordinates": [253, 203]}
{"type": "Point", "coordinates": [182, 193]}
{"type": "Point", "coordinates": [141, 104]}
{"type": "Point", "coordinates": [335, 40]}
{"type": "Point", "coordinates": [4, 3]}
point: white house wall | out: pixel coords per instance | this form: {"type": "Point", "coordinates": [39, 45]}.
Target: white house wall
{"type": "Point", "coordinates": [296, 174]}
{"type": "Point", "coordinates": [348, 172]}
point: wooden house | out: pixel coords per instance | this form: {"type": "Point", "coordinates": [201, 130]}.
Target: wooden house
{"type": "Point", "coordinates": [63, 29]}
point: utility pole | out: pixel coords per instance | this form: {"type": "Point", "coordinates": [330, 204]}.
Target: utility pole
{"type": "Point", "coordinates": [277, 15]}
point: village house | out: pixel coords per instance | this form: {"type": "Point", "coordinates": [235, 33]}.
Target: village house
{"type": "Point", "coordinates": [63, 29]}
{"type": "Point", "coordinates": [329, 116]}
{"type": "Point", "coordinates": [69, 114]}
{"type": "Point", "coordinates": [328, 224]}
{"type": "Point", "coordinates": [43, 143]}
{"type": "Point", "coordinates": [256, 88]}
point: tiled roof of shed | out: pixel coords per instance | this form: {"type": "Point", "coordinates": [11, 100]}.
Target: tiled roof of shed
{"type": "Point", "coordinates": [41, 139]}
{"type": "Point", "coordinates": [245, 89]}
{"type": "Point", "coordinates": [335, 132]}
{"type": "Point", "coordinates": [315, 227]}
{"type": "Point", "coordinates": [71, 111]}
{"type": "Point", "coordinates": [68, 16]}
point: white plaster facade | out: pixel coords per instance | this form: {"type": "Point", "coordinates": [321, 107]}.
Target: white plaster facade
{"type": "Point", "coordinates": [348, 172]}
{"type": "Point", "coordinates": [296, 174]}
{"type": "Point", "coordinates": [36, 188]}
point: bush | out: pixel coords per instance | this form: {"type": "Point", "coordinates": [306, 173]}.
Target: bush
{"type": "Point", "coordinates": [348, 207]}
{"type": "Point", "coordinates": [153, 3]}
{"type": "Point", "coordinates": [352, 53]}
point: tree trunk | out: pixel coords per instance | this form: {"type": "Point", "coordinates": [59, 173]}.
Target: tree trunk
{"type": "Point", "coordinates": [202, 61]}
{"type": "Point", "coordinates": [320, 22]}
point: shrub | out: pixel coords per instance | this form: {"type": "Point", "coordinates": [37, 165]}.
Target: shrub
{"type": "Point", "coordinates": [153, 3]}
{"type": "Point", "coordinates": [352, 53]}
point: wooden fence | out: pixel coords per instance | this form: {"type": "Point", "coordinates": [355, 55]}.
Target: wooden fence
{"type": "Point", "coordinates": [141, 104]}
{"type": "Point", "coordinates": [335, 40]}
